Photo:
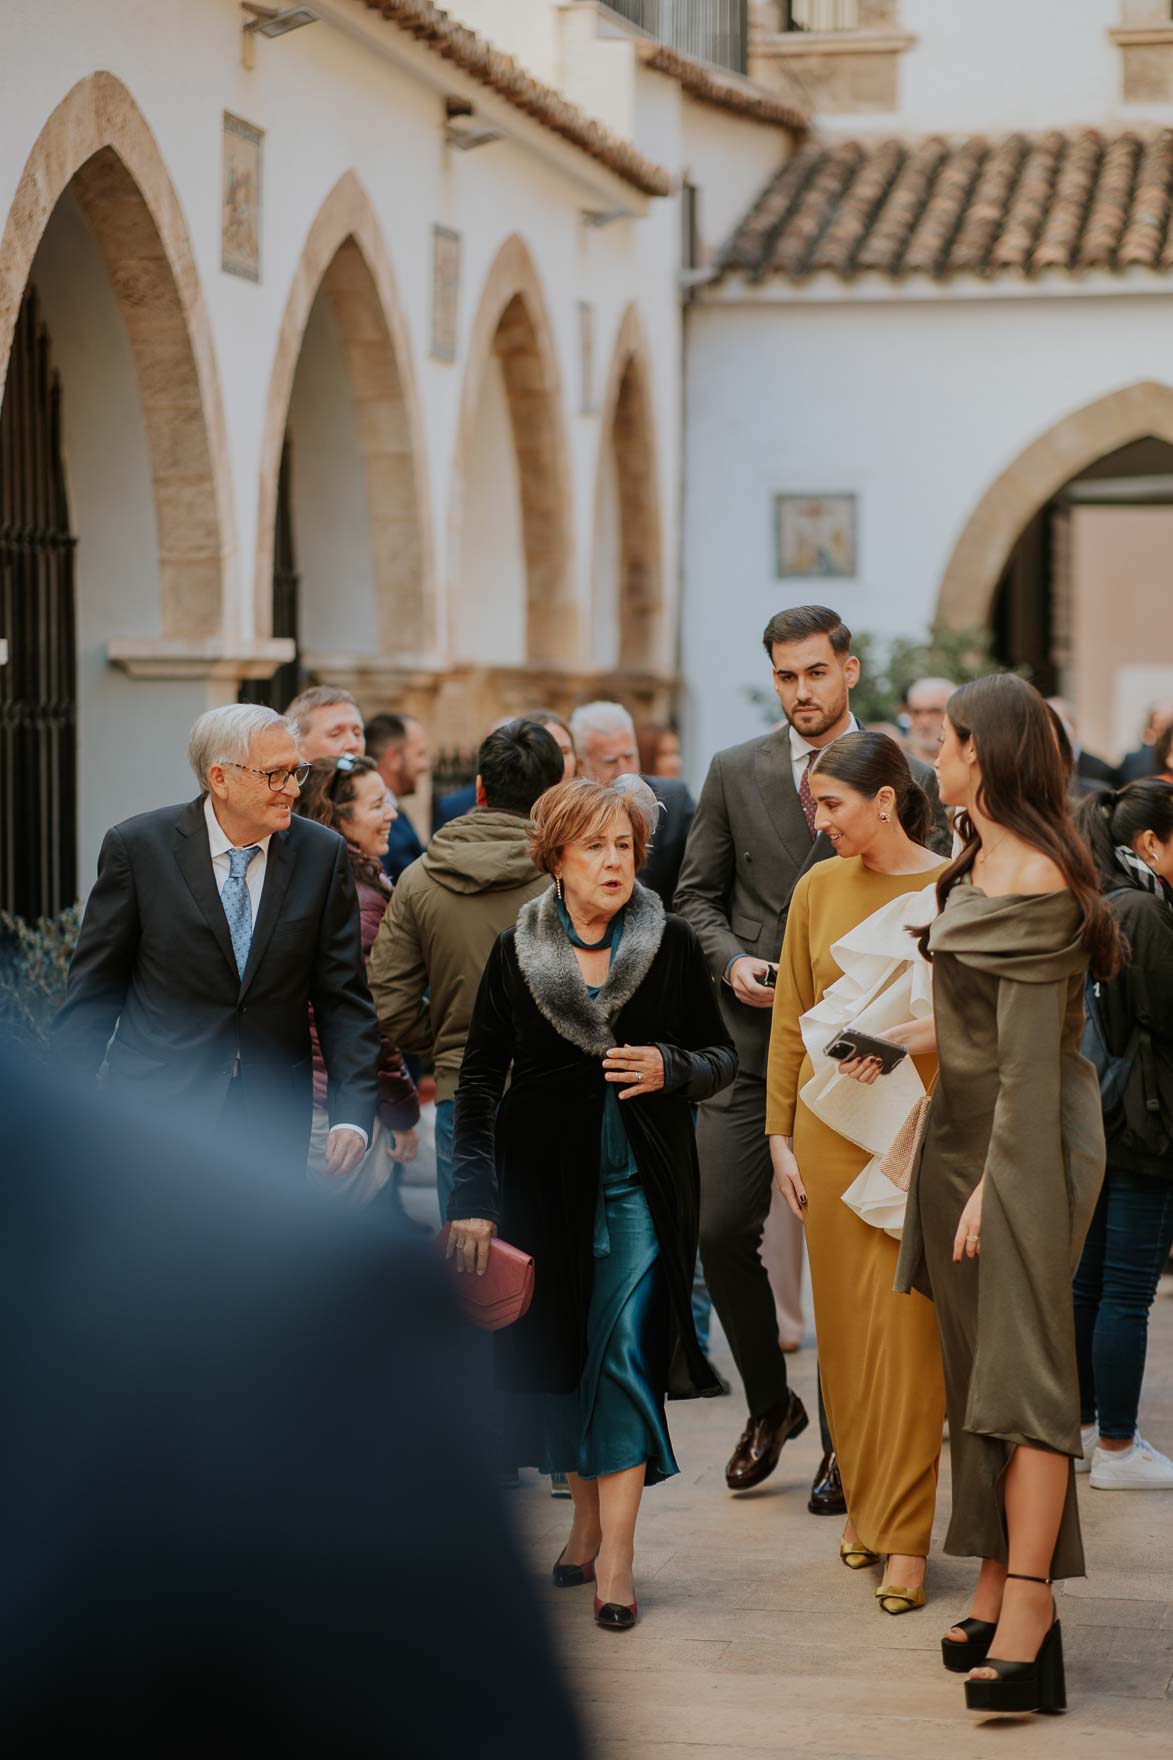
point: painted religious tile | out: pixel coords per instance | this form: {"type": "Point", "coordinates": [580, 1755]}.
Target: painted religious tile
{"type": "Point", "coordinates": [240, 199]}
{"type": "Point", "coordinates": [586, 357]}
{"type": "Point", "coordinates": [445, 292]}
{"type": "Point", "coordinates": [816, 536]}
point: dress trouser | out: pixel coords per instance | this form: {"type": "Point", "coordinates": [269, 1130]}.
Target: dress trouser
{"type": "Point", "coordinates": [736, 1184]}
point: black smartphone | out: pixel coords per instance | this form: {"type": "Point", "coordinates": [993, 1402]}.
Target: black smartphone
{"type": "Point", "coordinates": [851, 1043]}
{"type": "Point", "coordinates": [769, 978]}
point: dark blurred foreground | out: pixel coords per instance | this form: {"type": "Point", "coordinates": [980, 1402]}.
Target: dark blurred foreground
{"type": "Point", "coordinates": [245, 1508]}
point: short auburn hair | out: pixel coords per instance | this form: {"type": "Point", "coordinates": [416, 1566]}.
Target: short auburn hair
{"type": "Point", "coordinates": [573, 812]}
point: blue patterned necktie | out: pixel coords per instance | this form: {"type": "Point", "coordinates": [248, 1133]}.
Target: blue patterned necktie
{"type": "Point", "coordinates": [238, 906]}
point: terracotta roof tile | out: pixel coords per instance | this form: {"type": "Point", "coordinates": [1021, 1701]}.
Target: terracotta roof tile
{"type": "Point", "coordinates": [501, 73]}
{"type": "Point", "coordinates": [711, 85]}
{"type": "Point", "coordinates": [1017, 204]}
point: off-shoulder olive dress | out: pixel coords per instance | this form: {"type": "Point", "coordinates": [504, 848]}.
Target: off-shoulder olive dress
{"type": "Point", "coordinates": [1017, 1102]}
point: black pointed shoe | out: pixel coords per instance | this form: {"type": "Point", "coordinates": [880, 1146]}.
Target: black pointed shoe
{"type": "Point", "coordinates": [614, 1616]}
{"type": "Point", "coordinates": [826, 1498]}
{"type": "Point", "coordinates": [573, 1576]}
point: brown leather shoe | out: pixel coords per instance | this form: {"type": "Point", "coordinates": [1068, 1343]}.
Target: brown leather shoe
{"type": "Point", "coordinates": [756, 1454]}
{"type": "Point", "coordinates": [827, 1497]}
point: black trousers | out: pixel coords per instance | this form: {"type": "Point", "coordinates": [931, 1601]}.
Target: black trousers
{"type": "Point", "coordinates": [737, 1184]}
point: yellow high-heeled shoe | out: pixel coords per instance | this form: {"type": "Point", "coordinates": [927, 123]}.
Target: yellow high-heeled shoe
{"type": "Point", "coordinates": [896, 1600]}
{"type": "Point", "coordinates": [856, 1556]}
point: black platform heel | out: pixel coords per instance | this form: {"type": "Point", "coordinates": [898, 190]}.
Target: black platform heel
{"type": "Point", "coordinates": [979, 1635]}
{"type": "Point", "coordinates": [1024, 1686]}
{"type": "Point", "coordinates": [573, 1576]}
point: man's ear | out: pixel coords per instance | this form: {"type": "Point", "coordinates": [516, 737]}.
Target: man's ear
{"type": "Point", "coordinates": [851, 671]}
{"type": "Point", "coordinates": [482, 800]}
{"type": "Point", "coordinates": [217, 781]}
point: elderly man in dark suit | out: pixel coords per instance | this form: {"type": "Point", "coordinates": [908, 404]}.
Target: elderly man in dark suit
{"type": "Point", "coordinates": [605, 746]}
{"type": "Point", "coordinates": [752, 838]}
{"type": "Point", "coordinates": [210, 930]}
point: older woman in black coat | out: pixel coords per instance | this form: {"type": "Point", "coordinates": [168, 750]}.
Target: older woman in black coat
{"type": "Point", "coordinates": [599, 1009]}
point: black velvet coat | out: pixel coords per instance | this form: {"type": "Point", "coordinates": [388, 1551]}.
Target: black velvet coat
{"type": "Point", "coordinates": [528, 1159]}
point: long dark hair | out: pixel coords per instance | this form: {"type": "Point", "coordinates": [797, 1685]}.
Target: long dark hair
{"type": "Point", "coordinates": [1106, 820]}
{"type": "Point", "coordinates": [1024, 789]}
{"type": "Point", "coordinates": [328, 795]}
{"type": "Point", "coordinates": [868, 762]}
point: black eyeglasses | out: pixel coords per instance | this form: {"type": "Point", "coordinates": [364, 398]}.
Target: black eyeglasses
{"type": "Point", "coordinates": [277, 779]}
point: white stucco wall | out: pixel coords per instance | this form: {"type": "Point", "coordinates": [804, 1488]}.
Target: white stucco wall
{"type": "Point", "coordinates": [914, 406]}
{"type": "Point", "coordinates": [488, 602]}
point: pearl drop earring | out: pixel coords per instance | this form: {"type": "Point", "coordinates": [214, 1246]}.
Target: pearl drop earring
{"type": "Point", "coordinates": [558, 885]}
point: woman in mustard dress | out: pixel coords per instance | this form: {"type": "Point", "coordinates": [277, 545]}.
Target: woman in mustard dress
{"type": "Point", "coordinates": [879, 1358]}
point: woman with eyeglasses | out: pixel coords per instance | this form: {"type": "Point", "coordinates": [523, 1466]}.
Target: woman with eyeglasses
{"type": "Point", "coordinates": [348, 794]}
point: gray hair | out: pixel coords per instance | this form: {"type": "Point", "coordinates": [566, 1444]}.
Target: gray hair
{"type": "Point", "coordinates": [641, 798]}
{"type": "Point", "coordinates": [224, 736]}
{"type": "Point", "coordinates": [942, 686]}
{"type": "Point", "coordinates": [318, 696]}
{"type": "Point", "coordinates": [599, 718]}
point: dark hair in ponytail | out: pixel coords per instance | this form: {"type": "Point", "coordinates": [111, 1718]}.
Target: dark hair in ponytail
{"type": "Point", "coordinates": [1024, 789]}
{"type": "Point", "coordinates": [1106, 820]}
{"type": "Point", "coordinates": [868, 762]}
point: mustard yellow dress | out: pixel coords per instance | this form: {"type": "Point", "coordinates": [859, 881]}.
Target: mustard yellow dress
{"type": "Point", "coordinates": [879, 1356]}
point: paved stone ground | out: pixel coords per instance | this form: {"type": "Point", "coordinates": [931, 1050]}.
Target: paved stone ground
{"type": "Point", "coordinates": [754, 1640]}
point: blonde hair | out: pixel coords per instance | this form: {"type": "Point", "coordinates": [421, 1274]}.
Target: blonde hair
{"type": "Point", "coordinates": [572, 812]}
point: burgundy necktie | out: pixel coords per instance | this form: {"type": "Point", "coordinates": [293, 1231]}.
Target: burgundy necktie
{"type": "Point", "coordinates": [806, 799]}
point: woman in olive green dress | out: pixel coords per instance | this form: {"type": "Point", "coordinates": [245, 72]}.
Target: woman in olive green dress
{"type": "Point", "coordinates": [1010, 1173]}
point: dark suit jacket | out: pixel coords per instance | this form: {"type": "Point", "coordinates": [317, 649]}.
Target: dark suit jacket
{"type": "Point", "coordinates": [662, 869]}
{"type": "Point", "coordinates": [154, 960]}
{"type": "Point", "coordinates": [248, 1504]}
{"type": "Point", "coordinates": [1089, 768]}
{"type": "Point", "coordinates": [1135, 765]}
{"type": "Point", "coordinates": [454, 805]}
{"type": "Point", "coordinates": [748, 846]}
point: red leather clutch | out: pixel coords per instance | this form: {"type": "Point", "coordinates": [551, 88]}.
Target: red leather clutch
{"type": "Point", "coordinates": [503, 1294]}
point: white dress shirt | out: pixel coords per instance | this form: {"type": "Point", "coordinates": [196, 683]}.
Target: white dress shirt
{"type": "Point", "coordinates": [801, 750]}
{"type": "Point", "coordinates": [220, 844]}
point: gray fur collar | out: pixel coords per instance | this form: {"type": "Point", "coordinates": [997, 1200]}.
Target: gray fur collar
{"type": "Point", "coordinates": [554, 981]}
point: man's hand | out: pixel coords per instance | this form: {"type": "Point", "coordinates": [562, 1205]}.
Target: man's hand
{"type": "Point", "coordinates": [744, 980]}
{"type": "Point", "coordinates": [344, 1150]}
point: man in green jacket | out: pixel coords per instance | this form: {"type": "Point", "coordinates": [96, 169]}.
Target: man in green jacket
{"type": "Point", "coordinates": [448, 909]}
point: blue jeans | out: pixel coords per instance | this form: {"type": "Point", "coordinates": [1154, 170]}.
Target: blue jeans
{"type": "Point", "coordinates": [1126, 1248]}
{"type": "Point", "coordinates": [445, 1122]}
{"type": "Point", "coordinates": [702, 1306]}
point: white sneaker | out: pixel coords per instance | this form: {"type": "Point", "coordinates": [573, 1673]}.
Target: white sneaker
{"type": "Point", "coordinates": [1139, 1468]}
{"type": "Point", "coordinates": [1089, 1435]}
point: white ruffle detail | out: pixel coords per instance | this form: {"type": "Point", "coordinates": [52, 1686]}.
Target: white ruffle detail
{"type": "Point", "coordinates": [885, 982]}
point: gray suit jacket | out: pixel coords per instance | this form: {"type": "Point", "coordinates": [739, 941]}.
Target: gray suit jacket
{"type": "Point", "coordinates": [747, 849]}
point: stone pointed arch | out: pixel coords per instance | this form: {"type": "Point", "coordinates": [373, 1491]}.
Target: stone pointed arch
{"type": "Point", "coordinates": [345, 254]}
{"type": "Point", "coordinates": [627, 443]}
{"type": "Point", "coordinates": [981, 553]}
{"type": "Point", "coordinates": [512, 321]}
{"type": "Point", "coordinates": [97, 142]}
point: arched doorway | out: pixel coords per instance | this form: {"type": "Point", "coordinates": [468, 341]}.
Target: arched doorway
{"type": "Point", "coordinates": [38, 685]}
{"type": "Point", "coordinates": [627, 591]}
{"type": "Point", "coordinates": [510, 549]}
{"type": "Point", "coordinates": [96, 231]}
{"type": "Point", "coordinates": [343, 486]}
{"type": "Point", "coordinates": [1064, 559]}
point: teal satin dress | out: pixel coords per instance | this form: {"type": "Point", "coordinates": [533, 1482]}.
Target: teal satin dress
{"type": "Point", "coordinates": [615, 1419]}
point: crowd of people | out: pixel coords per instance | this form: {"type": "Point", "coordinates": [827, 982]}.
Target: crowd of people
{"type": "Point", "coordinates": [900, 995]}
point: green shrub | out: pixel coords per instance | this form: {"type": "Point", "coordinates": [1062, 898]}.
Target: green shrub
{"type": "Point", "coordinates": [34, 966]}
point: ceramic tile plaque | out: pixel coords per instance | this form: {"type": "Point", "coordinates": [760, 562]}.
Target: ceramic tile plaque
{"type": "Point", "coordinates": [240, 199]}
{"type": "Point", "coordinates": [445, 292]}
{"type": "Point", "coordinates": [815, 537]}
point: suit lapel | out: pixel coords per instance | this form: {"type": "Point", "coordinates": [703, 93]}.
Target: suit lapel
{"type": "Point", "coordinates": [194, 857]}
{"type": "Point", "coordinates": [277, 876]}
{"type": "Point", "coordinates": [775, 782]}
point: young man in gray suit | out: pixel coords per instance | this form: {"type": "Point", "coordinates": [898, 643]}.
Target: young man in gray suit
{"type": "Point", "coordinates": [751, 840]}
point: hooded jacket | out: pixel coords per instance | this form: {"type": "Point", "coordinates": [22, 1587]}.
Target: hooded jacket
{"type": "Point", "coordinates": [445, 915]}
